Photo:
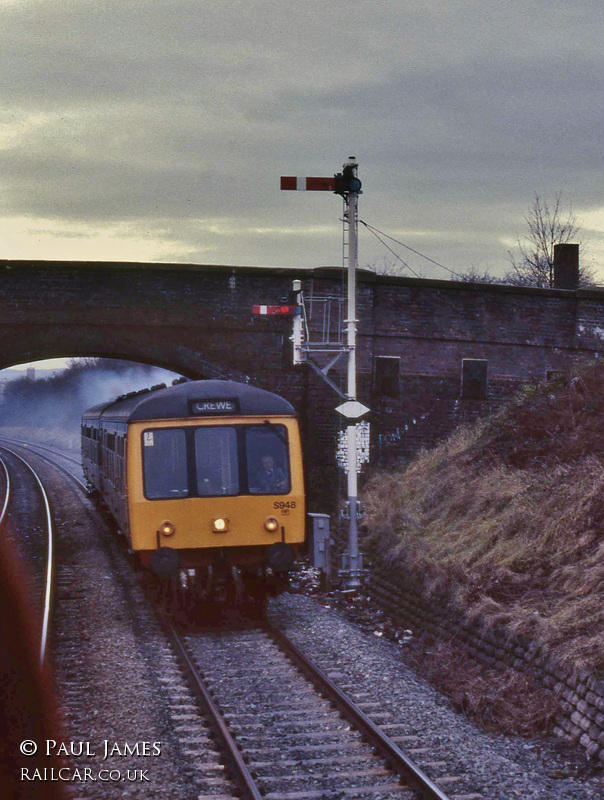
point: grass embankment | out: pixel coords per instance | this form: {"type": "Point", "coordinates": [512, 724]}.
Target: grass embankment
{"type": "Point", "coordinates": [508, 517]}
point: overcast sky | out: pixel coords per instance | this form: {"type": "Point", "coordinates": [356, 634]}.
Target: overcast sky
{"type": "Point", "coordinates": [156, 130]}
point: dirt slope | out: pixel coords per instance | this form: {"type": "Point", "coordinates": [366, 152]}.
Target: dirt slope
{"type": "Point", "coordinates": [509, 516]}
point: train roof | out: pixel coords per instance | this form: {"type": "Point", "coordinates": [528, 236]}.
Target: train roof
{"type": "Point", "coordinates": [208, 398]}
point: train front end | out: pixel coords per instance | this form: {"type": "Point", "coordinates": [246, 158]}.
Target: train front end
{"type": "Point", "coordinates": [219, 491]}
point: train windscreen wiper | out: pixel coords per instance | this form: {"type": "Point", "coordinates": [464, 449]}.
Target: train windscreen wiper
{"type": "Point", "coordinates": [276, 431]}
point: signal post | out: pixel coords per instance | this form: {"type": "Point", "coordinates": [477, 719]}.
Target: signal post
{"type": "Point", "coordinates": [348, 185]}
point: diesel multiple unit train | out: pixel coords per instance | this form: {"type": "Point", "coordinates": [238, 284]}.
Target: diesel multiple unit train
{"type": "Point", "coordinates": [204, 476]}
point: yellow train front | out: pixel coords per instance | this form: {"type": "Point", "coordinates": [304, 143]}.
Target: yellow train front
{"type": "Point", "coordinates": [204, 476]}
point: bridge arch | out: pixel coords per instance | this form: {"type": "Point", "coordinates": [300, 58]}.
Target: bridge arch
{"type": "Point", "coordinates": [32, 346]}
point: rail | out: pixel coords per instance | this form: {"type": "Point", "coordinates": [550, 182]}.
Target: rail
{"type": "Point", "coordinates": [35, 448]}
{"type": "Point", "coordinates": [239, 771]}
{"type": "Point", "coordinates": [408, 772]}
{"type": "Point", "coordinates": [399, 761]}
{"type": "Point", "coordinates": [7, 492]}
{"type": "Point", "coordinates": [50, 557]}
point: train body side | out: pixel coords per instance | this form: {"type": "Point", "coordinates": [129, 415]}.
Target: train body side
{"type": "Point", "coordinates": [104, 465]}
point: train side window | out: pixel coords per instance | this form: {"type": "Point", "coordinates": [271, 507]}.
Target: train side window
{"type": "Point", "coordinates": [267, 461]}
{"type": "Point", "coordinates": [165, 463]}
{"type": "Point", "coordinates": [216, 461]}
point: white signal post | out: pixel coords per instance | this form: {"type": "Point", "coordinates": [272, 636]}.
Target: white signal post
{"type": "Point", "coordinates": [298, 332]}
{"type": "Point", "coordinates": [351, 217]}
{"type": "Point", "coordinates": [348, 185]}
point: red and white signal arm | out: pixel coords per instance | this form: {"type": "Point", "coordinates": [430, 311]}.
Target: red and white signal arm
{"type": "Point", "coordinates": [308, 184]}
{"type": "Point", "coordinates": [277, 311]}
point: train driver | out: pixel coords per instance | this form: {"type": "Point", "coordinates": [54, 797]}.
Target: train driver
{"type": "Point", "coordinates": [269, 478]}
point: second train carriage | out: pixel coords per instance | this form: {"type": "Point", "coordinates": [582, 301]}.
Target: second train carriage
{"type": "Point", "coordinates": [205, 475]}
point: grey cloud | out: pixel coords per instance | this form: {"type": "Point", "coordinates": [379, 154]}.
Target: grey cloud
{"type": "Point", "coordinates": [172, 114]}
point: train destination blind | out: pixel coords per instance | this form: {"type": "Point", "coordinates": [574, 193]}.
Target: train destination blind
{"type": "Point", "coordinates": [213, 407]}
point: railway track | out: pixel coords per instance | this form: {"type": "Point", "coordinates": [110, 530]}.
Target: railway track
{"type": "Point", "coordinates": [279, 723]}
{"type": "Point", "coordinates": [92, 645]}
{"type": "Point", "coordinates": [288, 731]}
{"type": "Point", "coordinates": [74, 465]}
{"type": "Point", "coordinates": [290, 739]}
{"type": "Point", "coordinates": [33, 532]}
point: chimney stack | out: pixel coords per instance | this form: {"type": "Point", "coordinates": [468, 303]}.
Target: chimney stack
{"type": "Point", "coordinates": [566, 266]}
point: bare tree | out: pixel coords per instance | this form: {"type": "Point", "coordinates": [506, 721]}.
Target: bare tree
{"type": "Point", "coordinates": [394, 266]}
{"type": "Point", "coordinates": [474, 274]}
{"type": "Point", "coordinates": [547, 227]}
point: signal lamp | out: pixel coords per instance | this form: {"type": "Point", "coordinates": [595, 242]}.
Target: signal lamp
{"type": "Point", "coordinates": [346, 181]}
{"type": "Point", "coordinates": [271, 524]}
{"type": "Point", "coordinates": [166, 528]}
{"type": "Point", "coordinates": [220, 525]}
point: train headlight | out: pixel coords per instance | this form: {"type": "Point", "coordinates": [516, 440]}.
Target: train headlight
{"type": "Point", "coordinates": [220, 525]}
{"type": "Point", "coordinates": [166, 528]}
{"type": "Point", "coordinates": [271, 524]}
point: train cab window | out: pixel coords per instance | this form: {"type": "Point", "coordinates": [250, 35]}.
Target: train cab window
{"type": "Point", "coordinates": [267, 462]}
{"type": "Point", "coordinates": [216, 461]}
{"type": "Point", "coordinates": [165, 463]}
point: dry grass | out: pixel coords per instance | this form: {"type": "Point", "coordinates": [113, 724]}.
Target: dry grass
{"type": "Point", "coordinates": [489, 698]}
{"type": "Point", "coordinates": [509, 517]}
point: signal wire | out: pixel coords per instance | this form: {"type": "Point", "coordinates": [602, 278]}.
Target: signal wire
{"type": "Point", "coordinates": [396, 255]}
{"type": "Point", "coordinates": [376, 231]}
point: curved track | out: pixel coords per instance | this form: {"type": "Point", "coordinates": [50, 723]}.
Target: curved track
{"type": "Point", "coordinates": [75, 466]}
{"type": "Point", "coordinates": [48, 543]}
{"type": "Point", "coordinates": [7, 490]}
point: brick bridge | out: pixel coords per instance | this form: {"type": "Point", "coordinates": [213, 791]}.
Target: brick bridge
{"type": "Point", "coordinates": [431, 353]}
